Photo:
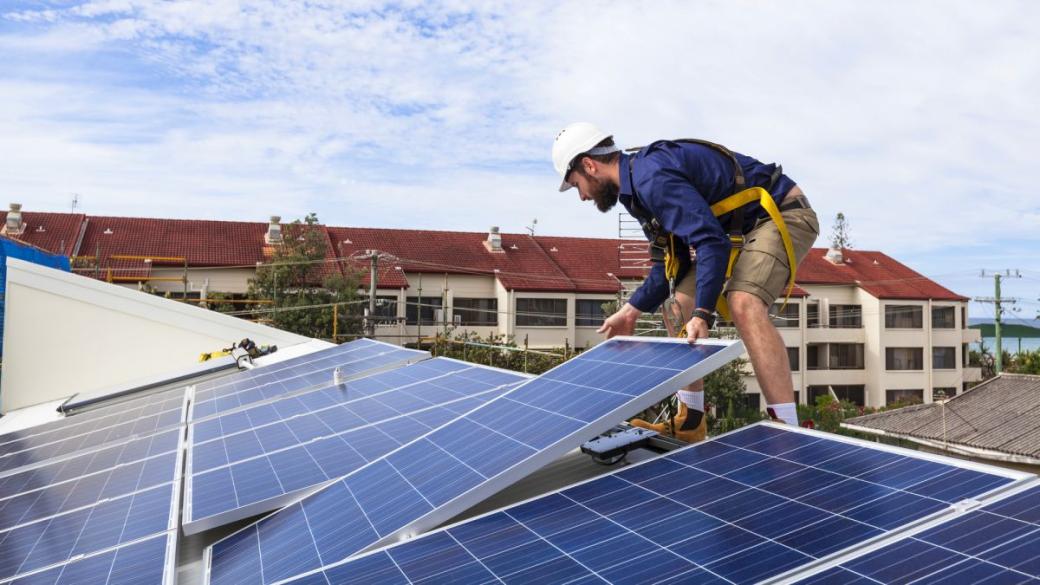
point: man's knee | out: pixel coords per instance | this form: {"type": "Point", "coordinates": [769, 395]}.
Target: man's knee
{"type": "Point", "coordinates": [744, 306]}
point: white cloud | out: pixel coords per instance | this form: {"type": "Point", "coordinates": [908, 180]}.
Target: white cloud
{"type": "Point", "coordinates": [916, 119]}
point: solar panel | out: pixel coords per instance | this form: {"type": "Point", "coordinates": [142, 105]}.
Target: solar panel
{"type": "Point", "coordinates": [435, 477]}
{"type": "Point", "coordinates": [55, 471]}
{"type": "Point", "coordinates": [149, 386]}
{"type": "Point", "coordinates": [997, 543]}
{"type": "Point", "coordinates": [144, 562]}
{"type": "Point", "coordinates": [263, 384]}
{"type": "Point", "coordinates": [62, 428]}
{"type": "Point", "coordinates": [743, 508]}
{"type": "Point", "coordinates": [60, 523]}
{"type": "Point", "coordinates": [263, 457]}
{"type": "Point", "coordinates": [96, 430]}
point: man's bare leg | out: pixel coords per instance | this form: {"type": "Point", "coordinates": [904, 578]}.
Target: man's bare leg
{"type": "Point", "coordinates": [767, 351]}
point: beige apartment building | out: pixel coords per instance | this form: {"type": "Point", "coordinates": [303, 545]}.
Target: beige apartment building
{"type": "Point", "coordinates": [859, 325]}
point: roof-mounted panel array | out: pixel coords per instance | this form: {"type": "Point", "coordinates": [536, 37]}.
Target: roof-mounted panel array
{"type": "Point", "coordinates": [744, 508]}
{"type": "Point", "coordinates": [448, 470]}
{"type": "Point", "coordinates": [315, 370]}
{"type": "Point", "coordinates": [260, 458]}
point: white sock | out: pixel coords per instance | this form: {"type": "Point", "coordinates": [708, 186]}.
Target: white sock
{"type": "Point", "coordinates": [786, 412]}
{"type": "Point", "coordinates": [692, 400]}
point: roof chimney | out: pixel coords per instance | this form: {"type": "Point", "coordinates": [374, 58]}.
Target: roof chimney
{"type": "Point", "coordinates": [274, 231]}
{"type": "Point", "coordinates": [494, 240]}
{"type": "Point", "coordinates": [14, 226]}
{"type": "Point", "coordinates": [834, 256]}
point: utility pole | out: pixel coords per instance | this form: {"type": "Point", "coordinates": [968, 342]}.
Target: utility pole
{"type": "Point", "coordinates": [372, 293]}
{"type": "Point", "coordinates": [998, 306]}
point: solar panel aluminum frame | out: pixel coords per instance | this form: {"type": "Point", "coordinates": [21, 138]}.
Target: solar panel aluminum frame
{"type": "Point", "coordinates": [185, 403]}
{"type": "Point", "coordinates": [414, 358]}
{"type": "Point", "coordinates": [731, 349]}
{"type": "Point", "coordinates": [178, 479]}
{"type": "Point", "coordinates": [822, 565]}
{"type": "Point", "coordinates": [85, 401]}
{"type": "Point", "coordinates": [1023, 481]}
{"type": "Point", "coordinates": [275, 503]}
{"type": "Point", "coordinates": [169, 565]}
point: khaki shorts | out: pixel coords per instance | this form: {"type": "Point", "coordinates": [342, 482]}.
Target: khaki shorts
{"type": "Point", "coordinates": [761, 268]}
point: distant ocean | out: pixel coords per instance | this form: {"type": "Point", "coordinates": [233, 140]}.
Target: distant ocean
{"type": "Point", "coordinates": [1011, 344]}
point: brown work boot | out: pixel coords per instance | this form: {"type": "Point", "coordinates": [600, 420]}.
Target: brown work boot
{"type": "Point", "coordinates": [683, 426]}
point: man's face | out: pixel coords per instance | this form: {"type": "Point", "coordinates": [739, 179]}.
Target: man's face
{"type": "Point", "coordinates": [597, 189]}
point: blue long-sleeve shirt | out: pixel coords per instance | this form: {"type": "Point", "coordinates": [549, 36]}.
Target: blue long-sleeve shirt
{"type": "Point", "coordinates": [678, 183]}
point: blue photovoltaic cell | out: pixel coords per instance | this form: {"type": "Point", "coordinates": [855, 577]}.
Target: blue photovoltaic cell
{"type": "Point", "coordinates": [280, 457]}
{"type": "Point", "coordinates": [998, 543]}
{"type": "Point", "coordinates": [733, 510]}
{"type": "Point", "coordinates": [93, 420]}
{"type": "Point", "coordinates": [139, 563]}
{"type": "Point", "coordinates": [143, 426]}
{"type": "Point", "coordinates": [87, 490]}
{"type": "Point", "coordinates": [92, 429]}
{"type": "Point", "coordinates": [559, 409]}
{"type": "Point", "coordinates": [321, 398]}
{"type": "Point", "coordinates": [107, 524]}
{"type": "Point", "coordinates": [61, 470]}
{"type": "Point", "coordinates": [264, 384]}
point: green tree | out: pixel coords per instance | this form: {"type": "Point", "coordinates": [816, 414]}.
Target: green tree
{"type": "Point", "coordinates": [303, 286]}
{"type": "Point", "coordinates": [840, 235]}
{"type": "Point", "coordinates": [1026, 362]}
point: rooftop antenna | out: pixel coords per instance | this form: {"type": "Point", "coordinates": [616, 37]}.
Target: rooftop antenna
{"type": "Point", "coordinates": [75, 202]}
{"type": "Point", "coordinates": [530, 228]}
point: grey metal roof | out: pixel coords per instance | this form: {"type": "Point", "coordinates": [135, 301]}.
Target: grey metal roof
{"type": "Point", "coordinates": [1001, 414]}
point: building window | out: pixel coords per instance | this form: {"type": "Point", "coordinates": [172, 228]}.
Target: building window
{"type": "Point", "coordinates": [786, 316]}
{"type": "Point", "coordinates": [846, 316]}
{"type": "Point", "coordinates": [903, 316]}
{"type": "Point", "coordinates": [944, 358]}
{"type": "Point", "coordinates": [914, 396]}
{"type": "Point", "coordinates": [947, 392]}
{"type": "Point", "coordinates": [964, 317]}
{"type": "Point", "coordinates": [751, 402]}
{"type": "Point", "coordinates": [814, 392]}
{"type": "Point", "coordinates": [854, 393]}
{"type": "Point", "coordinates": [904, 358]}
{"type": "Point", "coordinates": [812, 314]}
{"type": "Point", "coordinates": [386, 310]}
{"type": "Point", "coordinates": [944, 318]}
{"type": "Point", "coordinates": [816, 356]}
{"type": "Point", "coordinates": [846, 356]}
{"type": "Point", "coordinates": [792, 358]}
{"type": "Point", "coordinates": [541, 312]}
{"type": "Point", "coordinates": [589, 312]}
{"type": "Point", "coordinates": [475, 312]}
{"type": "Point", "coordinates": [797, 397]}
{"type": "Point", "coordinates": [425, 308]}
{"type": "Point", "coordinates": [964, 354]}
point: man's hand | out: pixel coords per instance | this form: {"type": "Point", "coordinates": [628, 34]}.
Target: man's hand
{"type": "Point", "coordinates": [696, 328]}
{"type": "Point", "coordinates": [623, 322]}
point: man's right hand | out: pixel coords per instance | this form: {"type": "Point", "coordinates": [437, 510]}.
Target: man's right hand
{"type": "Point", "coordinates": [623, 322]}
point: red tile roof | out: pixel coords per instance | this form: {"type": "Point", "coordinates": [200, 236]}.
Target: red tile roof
{"type": "Point", "coordinates": [874, 272]}
{"type": "Point", "coordinates": [54, 232]}
{"type": "Point", "coordinates": [526, 263]}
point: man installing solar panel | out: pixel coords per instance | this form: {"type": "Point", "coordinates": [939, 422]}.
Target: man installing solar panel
{"type": "Point", "coordinates": [748, 223]}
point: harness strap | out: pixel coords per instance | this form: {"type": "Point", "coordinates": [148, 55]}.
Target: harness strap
{"type": "Point", "coordinates": [763, 198]}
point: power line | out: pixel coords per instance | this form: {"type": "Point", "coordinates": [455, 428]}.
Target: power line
{"type": "Point", "coordinates": [998, 311]}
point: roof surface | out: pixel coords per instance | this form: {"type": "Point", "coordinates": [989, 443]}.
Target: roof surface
{"type": "Point", "coordinates": [1002, 414]}
{"type": "Point", "coordinates": [525, 263]}
{"type": "Point", "coordinates": [875, 272]}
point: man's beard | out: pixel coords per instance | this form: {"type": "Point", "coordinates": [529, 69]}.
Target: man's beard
{"type": "Point", "coordinates": [603, 193]}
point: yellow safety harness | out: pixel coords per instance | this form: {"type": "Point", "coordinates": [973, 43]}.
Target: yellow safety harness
{"type": "Point", "coordinates": [733, 203]}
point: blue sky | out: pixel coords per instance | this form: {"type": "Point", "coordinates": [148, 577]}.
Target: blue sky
{"type": "Point", "coordinates": [918, 120]}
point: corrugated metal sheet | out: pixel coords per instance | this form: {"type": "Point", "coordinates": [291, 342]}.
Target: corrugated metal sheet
{"type": "Point", "coordinates": [1000, 415]}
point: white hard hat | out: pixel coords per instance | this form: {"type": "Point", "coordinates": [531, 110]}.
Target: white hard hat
{"type": "Point", "coordinates": [577, 138]}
